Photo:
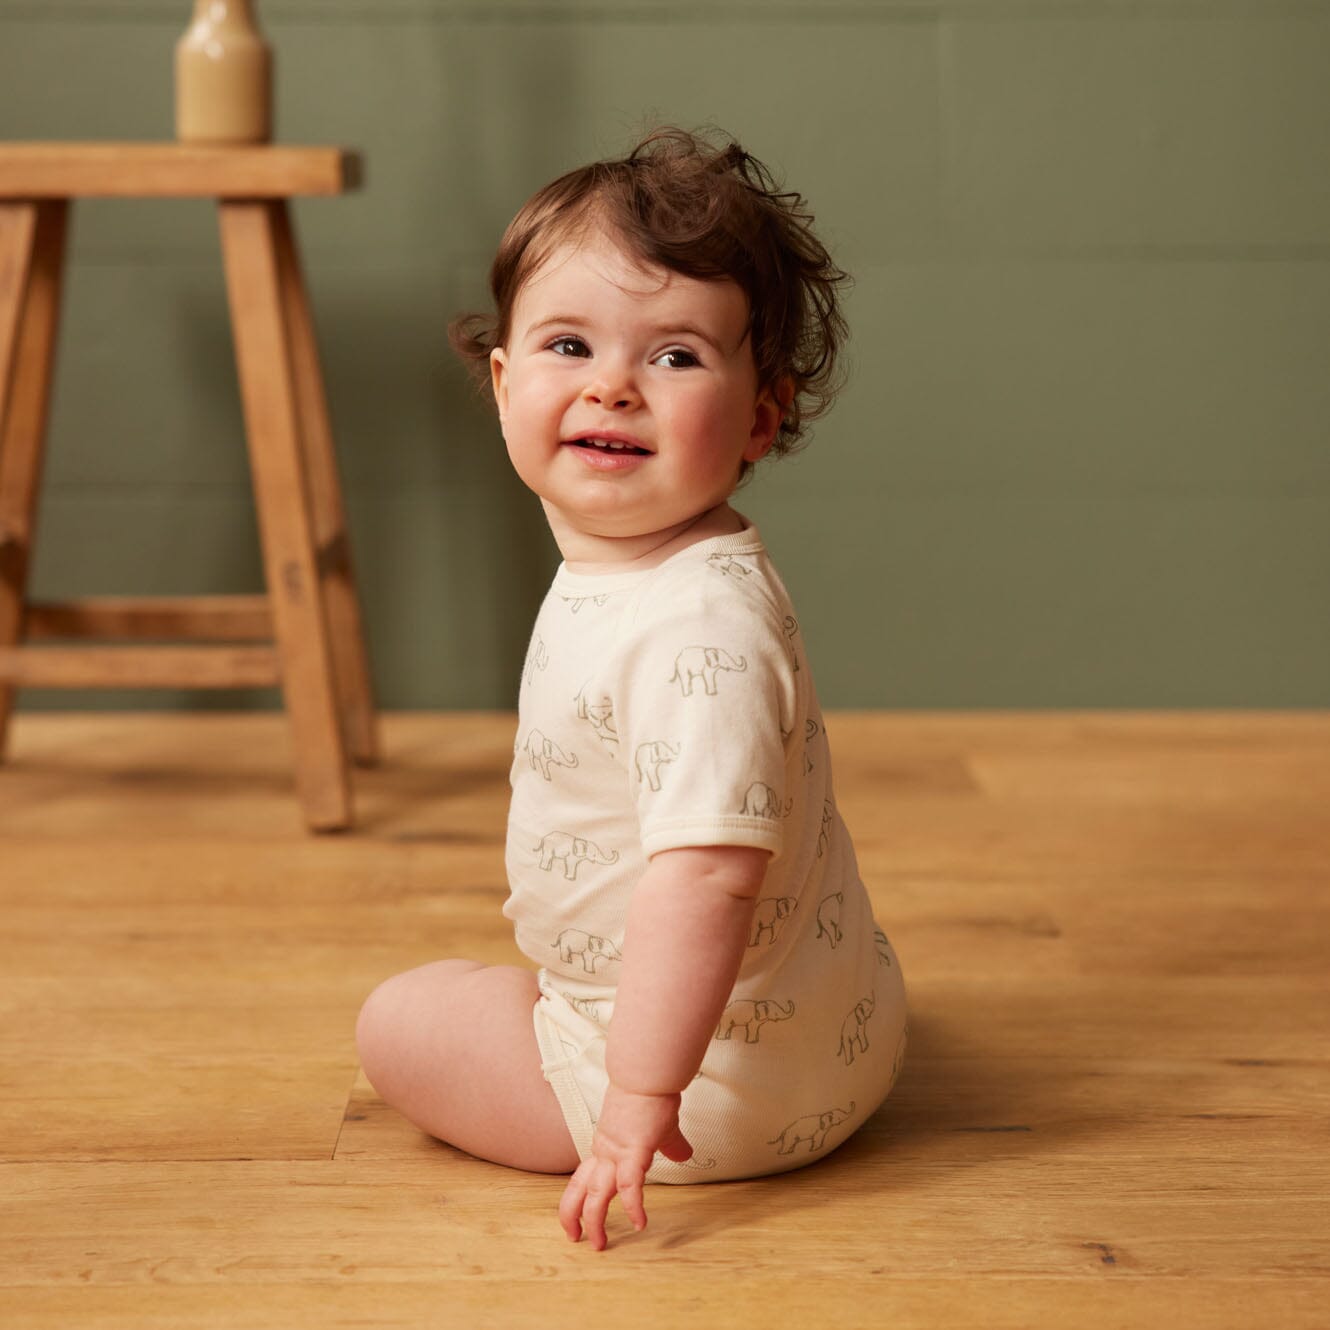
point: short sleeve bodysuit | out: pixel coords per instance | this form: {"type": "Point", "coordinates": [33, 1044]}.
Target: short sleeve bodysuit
{"type": "Point", "coordinates": [669, 708]}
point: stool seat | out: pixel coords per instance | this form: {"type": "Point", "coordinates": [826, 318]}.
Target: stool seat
{"type": "Point", "coordinates": [174, 171]}
{"type": "Point", "coordinates": [306, 633]}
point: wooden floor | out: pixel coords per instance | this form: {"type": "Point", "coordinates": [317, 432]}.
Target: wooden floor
{"type": "Point", "coordinates": [1115, 930]}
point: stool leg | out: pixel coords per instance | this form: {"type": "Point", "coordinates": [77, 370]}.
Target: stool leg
{"type": "Point", "coordinates": [32, 247]}
{"type": "Point", "coordinates": [351, 662]}
{"type": "Point", "coordinates": [272, 426]}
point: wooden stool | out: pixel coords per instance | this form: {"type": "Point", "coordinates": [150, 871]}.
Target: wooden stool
{"type": "Point", "coordinates": [306, 631]}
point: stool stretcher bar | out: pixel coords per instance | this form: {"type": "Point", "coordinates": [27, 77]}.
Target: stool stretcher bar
{"type": "Point", "coordinates": [163, 618]}
{"type": "Point", "coordinates": [140, 667]}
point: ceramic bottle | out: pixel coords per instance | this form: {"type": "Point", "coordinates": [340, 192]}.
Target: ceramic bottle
{"type": "Point", "coordinates": [223, 76]}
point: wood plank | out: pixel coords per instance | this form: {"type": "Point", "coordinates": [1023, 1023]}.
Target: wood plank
{"type": "Point", "coordinates": [140, 667]}
{"type": "Point", "coordinates": [216, 1223]}
{"type": "Point", "coordinates": [37, 170]}
{"type": "Point", "coordinates": [1033, 1111]}
{"type": "Point", "coordinates": [531, 1301]}
{"type": "Point", "coordinates": [194, 618]}
{"type": "Point", "coordinates": [205, 778]}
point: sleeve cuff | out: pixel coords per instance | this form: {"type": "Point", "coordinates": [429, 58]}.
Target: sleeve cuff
{"type": "Point", "coordinates": [756, 833]}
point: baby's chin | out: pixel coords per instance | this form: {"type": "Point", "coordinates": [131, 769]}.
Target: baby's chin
{"type": "Point", "coordinates": [651, 527]}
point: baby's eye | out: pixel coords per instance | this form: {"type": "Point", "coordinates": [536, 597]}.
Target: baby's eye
{"type": "Point", "coordinates": [569, 346]}
{"type": "Point", "coordinates": [677, 358]}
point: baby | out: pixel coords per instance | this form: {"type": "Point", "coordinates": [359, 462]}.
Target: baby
{"type": "Point", "coordinates": [713, 998]}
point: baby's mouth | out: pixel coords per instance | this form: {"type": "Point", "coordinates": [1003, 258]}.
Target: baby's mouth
{"type": "Point", "coordinates": [618, 446]}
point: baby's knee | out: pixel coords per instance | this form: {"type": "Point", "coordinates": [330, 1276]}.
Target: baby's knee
{"type": "Point", "coordinates": [378, 1028]}
{"type": "Point", "coordinates": [392, 1016]}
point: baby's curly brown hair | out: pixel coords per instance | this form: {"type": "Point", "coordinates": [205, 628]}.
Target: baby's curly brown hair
{"type": "Point", "coordinates": [706, 210]}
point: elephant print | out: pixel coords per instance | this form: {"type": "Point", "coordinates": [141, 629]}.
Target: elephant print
{"type": "Point", "coordinates": [828, 919]}
{"type": "Point", "coordinates": [762, 801]}
{"type": "Point", "coordinates": [545, 753]}
{"type": "Point", "coordinates": [853, 1030]}
{"type": "Point", "coordinates": [570, 1049]}
{"type": "Point", "coordinates": [599, 715]}
{"type": "Point", "coordinates": [703, 663]}
{"type": "Point", "coordinates": [572, 851]}
{"type": "Point", "coordinates": [769, 917]}
{"type": "Point", "coordinates": [811, 731]}
{"type": "Point", "coordinates": [575, 603]}
{"type": "Point", "coordinates": [538, 658]}
{"type": "Point", "coordinates": [791, 632]}
{"type": "Point", "coordinates": [824, 835]}
{"type": "Point", "coordinates": [692, 1162]}
{"type": "Point", "coordinates": [592, 949]}
{"type": "Point", "coordinates": [729, 565]}
{"type": "Point", "coordinates": [591, 1008]}
{"type": "Point", "coordinates": [750, 1016]}
{"type": "Point", "coordinates": [883, 946]}
{"type": "Point", "coordinates": [650, 757]}
{"type": "Point", "coordinates": [812, 1128]}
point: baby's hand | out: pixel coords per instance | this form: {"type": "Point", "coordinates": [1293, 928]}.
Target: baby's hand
{"type": "Point", "coordinates": [631, 1129]}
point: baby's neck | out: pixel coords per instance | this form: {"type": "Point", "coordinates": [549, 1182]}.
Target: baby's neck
{"type": "Point", "coordinates": [622, 554]}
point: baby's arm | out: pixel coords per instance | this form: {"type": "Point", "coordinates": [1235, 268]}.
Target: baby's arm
{"type": "Point", "coordinates": [687, 928]}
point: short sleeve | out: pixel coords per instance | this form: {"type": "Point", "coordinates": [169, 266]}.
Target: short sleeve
{"type": "Point", "coordinates": [706, 701]}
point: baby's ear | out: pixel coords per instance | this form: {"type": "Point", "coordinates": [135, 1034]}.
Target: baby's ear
{"type": "Point", "coordinates": [768, 412]}
{"type": "Point", "coordinates": [499, 380]}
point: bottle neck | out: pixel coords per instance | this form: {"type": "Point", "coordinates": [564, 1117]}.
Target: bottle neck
{"type": "Point", "coordinates": [225, 14]}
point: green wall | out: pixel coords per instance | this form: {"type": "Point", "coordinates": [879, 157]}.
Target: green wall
{"type": "Point", "coordinates": [1083, 457]}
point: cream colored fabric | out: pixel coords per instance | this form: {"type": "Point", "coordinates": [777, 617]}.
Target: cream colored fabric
{"type": "Point", "coordinates": [674, 708]}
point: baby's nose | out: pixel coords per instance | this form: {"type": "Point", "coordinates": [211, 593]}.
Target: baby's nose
{"type": "Point", "coordinates": [615, 391]}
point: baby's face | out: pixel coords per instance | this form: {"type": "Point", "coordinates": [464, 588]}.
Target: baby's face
{"type": "Point", "coordinates": [628, 397]}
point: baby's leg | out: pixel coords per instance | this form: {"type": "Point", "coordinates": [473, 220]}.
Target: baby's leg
{"type": "Point", "coordinates": [452, 1048]}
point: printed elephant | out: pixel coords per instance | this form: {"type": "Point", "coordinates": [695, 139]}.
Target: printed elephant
{"type": "Point", "coordinates": [828, 918]}
{"type": "Point", "coordinates": [537, 658]}
{"type": "Point", "coordinates": [750, 1016]}
{"type": "Point", "coordinates": [824, 836]}
{"type": "Point", "coordinates": [592, 1008]}
{"type": "Point", "coordinates": [599, 715]}
{"type": "Point", "coordinates": [729, 565]}
{"type": "Point", "coordinates": [545, 753]}
{"type": "Point", "coordinates": [762, 801]}
{"type": "Point", "coordinates": [572, 851]}
{"type": "Point", "coordinates": [791, 632]}
{"type": "Point", "coordinates": [770, 914]}
{"type": "Point", "coordinates": [812, 1128]}
{"type": "Point", "coordinates": [853, 1032]}
{"type": "Point", "coordinates": [703, 663]}
{"type": "Point", "coordinates": [883, 946]}
{"type": "Point", "coordinates": [573, 942]}
{"type": "Point", "coordinates": [650, 757]}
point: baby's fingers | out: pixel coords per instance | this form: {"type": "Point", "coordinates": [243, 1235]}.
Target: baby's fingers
{"type": "Point", "coordinates": [630, 1194]}
{"type": "Point", "coordinates": [586, 1201]}
{"type": "Point", "coordinates": [570, 1205]}
{"type": "Point", "coordinates": [600, 1188]}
